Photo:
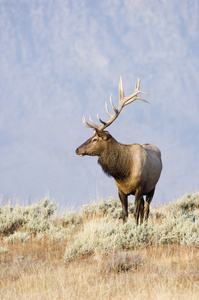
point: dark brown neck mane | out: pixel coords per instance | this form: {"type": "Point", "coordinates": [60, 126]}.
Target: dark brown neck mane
{"type": "Point", "coordinates": [115, 160]}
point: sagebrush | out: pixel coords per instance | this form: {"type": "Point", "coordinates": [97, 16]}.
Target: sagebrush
{"type": "Point", "coordinates": [96, 229]}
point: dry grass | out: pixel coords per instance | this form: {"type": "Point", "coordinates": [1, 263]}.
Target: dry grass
{"type": "Point", "coordinates": [36, 269]}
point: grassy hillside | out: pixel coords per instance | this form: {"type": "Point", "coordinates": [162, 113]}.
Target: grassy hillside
{"type": "Point", "coordinates": [91, 254]}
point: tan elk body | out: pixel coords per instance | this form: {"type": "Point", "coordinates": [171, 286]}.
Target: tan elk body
{"type": "Point", "coordinates": [135, 168]}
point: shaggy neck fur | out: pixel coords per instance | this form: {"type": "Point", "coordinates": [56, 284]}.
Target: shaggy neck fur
{"type": "Point", "coordinates": [115, 160]}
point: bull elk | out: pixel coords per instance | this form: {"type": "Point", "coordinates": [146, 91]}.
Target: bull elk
{"type": "Point", "coordinates": [135, 168]}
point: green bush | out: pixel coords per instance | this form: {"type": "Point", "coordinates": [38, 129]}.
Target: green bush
{"type": "Point", "coordinates": [111, 209]}
{"type": "Point", "coordinates": [102, 238]}
{"type": "Point", "coordinates": [186, 203]}
{"type": "Point", "coordinates": [33, 218]}
{"type": "Point", "coordinates": [96, 229]}
{"type": "Point", "coordinates": [71, 219]}
{"type": "Point", "coordinates": [3, 250]}
{"type": "Point", "coordinates": [17, 237]}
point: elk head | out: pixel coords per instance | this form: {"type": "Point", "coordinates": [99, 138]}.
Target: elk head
{"type": "Point", "coordinates": [97, 144]}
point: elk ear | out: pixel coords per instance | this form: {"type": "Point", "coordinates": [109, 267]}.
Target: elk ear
{"type": "Point", "coordinates": [104, 135]}
{"type": "Point", "coordinates": [107, 135]}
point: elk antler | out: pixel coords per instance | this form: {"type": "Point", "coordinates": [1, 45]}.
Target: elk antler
{"type": "Point", "coordinates": [122, 102]}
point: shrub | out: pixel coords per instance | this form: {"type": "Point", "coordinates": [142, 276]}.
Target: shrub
{"type": "Point", "coordinates": [17, 237]}
{"type": "Point", "coordinates": [186, 203]}
{"type": "Point", "coordinates": [111, 209]}
{"type": "Point", "coordinates": [10, 220]}
{"type": "Point", "coordinates": [105, 236]}
{"type": "Point", "coordinates": [33, 218]}
{"type": "Point", "coordinates": [95, 229]}
{"type": "Point", "coordinates": [3, 250]}
{"type": "Point", "coordinates": [71, 219]}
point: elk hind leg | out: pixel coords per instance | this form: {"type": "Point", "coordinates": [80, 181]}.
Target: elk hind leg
{"type": "Point", "coordinates": [141, 212]}
{"type": "Point", "coordinates": [138, 211]}
{"type": "Point", "coordinates": [149, 198]}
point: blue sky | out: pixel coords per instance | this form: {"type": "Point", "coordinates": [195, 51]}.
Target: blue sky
{"type": "Point", "coordinates": [60, 60]}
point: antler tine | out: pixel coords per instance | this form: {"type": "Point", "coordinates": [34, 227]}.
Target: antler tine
{"type": "Point", "coordinates": [86, 123]}
{"type": "Point", "coordinates": [135, 98]}
{"type": "Point", "coordinates": [107, 110]}
{"type": "Point", "coordinates": [104, 123]}
{"type": "Point", "coordinates": [121, 90]}
{"type": "Point", "coordinates": [94, 126]}
{"type": "Point", "coordinates": [113, 107]}
{"type": "Point", "coordinates": [137, 84]}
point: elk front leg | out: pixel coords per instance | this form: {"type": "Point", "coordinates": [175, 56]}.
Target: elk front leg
{"type": "Point", "coordinates": [124, 201]}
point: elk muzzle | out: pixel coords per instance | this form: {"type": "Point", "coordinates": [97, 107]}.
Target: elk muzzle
{"type": "Point", "coordinates": [79, 152]}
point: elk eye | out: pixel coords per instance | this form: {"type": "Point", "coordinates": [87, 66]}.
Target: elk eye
{"type": "Point", "coordinates": [95, 140]}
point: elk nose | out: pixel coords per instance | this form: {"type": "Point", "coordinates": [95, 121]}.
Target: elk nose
{"type": "Point", "coordinates": [78, 152]}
